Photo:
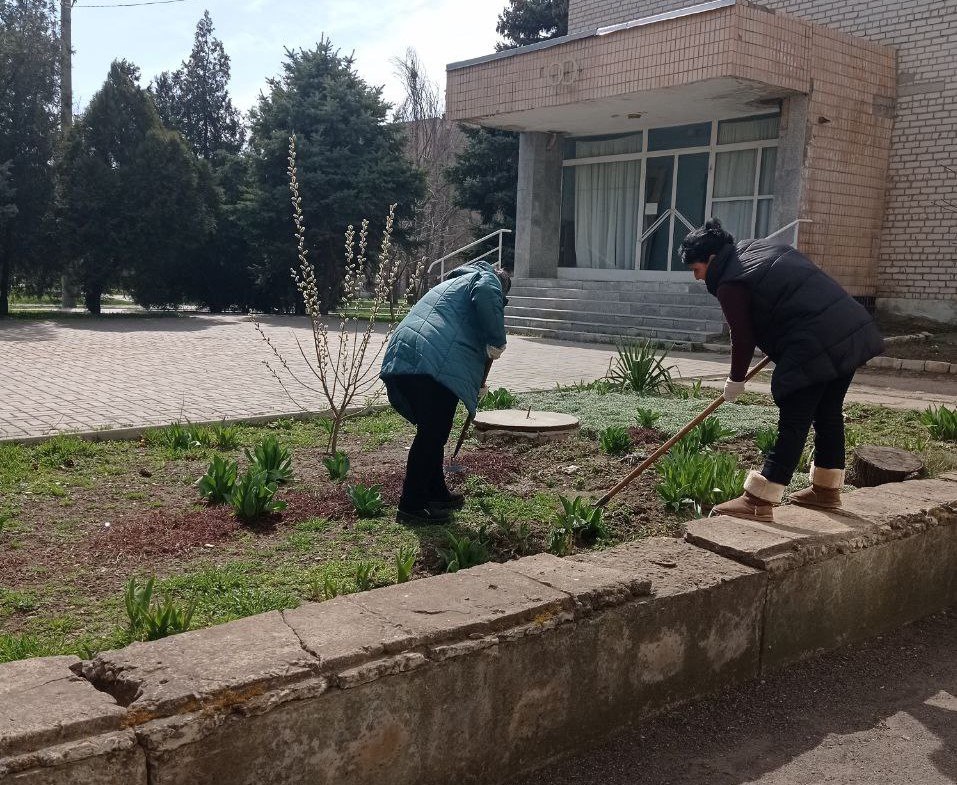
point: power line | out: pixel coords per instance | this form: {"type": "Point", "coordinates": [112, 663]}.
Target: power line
{"type": "Point", "coordinates": [127, 5]}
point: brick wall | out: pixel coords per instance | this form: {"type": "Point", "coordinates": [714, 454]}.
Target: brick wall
{"type": "Point", "coordinates": [911, 263]}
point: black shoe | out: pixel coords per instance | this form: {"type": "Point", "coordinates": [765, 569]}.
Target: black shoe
{"type": "Point", "coordinates": [454, 501]}
{"type": "Point", "coordinates": [424, 516]}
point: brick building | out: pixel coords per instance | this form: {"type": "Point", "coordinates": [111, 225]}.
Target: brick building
{"type": "Point", "coordinates": [829, 123]}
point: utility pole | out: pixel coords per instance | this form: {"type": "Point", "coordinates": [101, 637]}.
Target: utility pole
{"type": "Point", "coordinates": [67, 292]}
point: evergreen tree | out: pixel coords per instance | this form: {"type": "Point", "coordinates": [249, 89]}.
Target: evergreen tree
{"type": "Point", "coordinates": [485, 173]}
{"type": "Point", "coordinates": [351, 166]}
{"type": "Point", "coordinates": [29, 109]}
{"type": "Point", "coordinates": [131, 197]}
{"type": "Point", "coordinates": [194, 99]}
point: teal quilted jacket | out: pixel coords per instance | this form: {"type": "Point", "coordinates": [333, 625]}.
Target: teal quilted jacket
{"type": "Point", "coordinates": [446, 333]}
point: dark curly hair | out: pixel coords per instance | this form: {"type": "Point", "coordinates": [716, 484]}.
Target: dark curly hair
{"type": "Point", "coordinates": [700, 244]}
{"type": "Point", "coordinates": [505, 279]}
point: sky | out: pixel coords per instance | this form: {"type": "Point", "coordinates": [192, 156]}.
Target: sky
{"type": "Point", "coordinates": [255, 34]}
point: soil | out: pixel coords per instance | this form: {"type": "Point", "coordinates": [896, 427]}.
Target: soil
{"type": "Point", "coordinates": [941, 347]}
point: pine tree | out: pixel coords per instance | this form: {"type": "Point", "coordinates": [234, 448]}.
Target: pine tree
{"type": "Point", "coordinates": [485, 173]}
{"type": "Point", "coordinates": [132, 207]}
{"type": "Point", "coordinates": [194, 99]}
{"type": "Point", "coordinates": [29, 114]}
{"type": "Point", "coordinates": [351, 166]}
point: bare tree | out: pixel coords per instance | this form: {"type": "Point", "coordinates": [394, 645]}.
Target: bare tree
{"type": "Point", "coordinates": [431, 142]}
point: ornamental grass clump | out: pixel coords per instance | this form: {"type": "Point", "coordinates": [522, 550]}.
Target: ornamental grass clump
{"type": "Point", "coordinates": [463, 551]}
{"type": "Point", "coordinates": [343, 367]}
{"type": "Point", "coordinates": [152, 621]}
{"type": "Point", "coordinates": [641, 369]}
{"type": "Point", "coordinates": [271, 458]}
{"type": "Point", "coordinates": [253, 496]}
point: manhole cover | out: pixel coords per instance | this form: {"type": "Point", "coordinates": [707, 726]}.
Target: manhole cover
{"type": "Point", "coordinates": [521, 421]}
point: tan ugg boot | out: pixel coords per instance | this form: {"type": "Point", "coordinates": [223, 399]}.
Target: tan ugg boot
{"type": "Point", "coordinates": [825, 490]}
{"type": "Point", "coordinates": [756, 503]}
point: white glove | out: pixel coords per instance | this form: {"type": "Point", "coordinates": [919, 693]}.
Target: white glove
{"type": "Point", "coordinates": [732, 390]}
{"type": "Point", "coordinates": [483, 391]}
{"type": "Point", "coordinates": [494, 352]}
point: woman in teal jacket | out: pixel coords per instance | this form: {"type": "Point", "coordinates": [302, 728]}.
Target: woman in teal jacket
{"type": "Point", "coordinates": [435, 358]}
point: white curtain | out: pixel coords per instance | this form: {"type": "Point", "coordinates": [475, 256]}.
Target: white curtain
{"type": "Point", "coordinates": [734, 176]}
{"type": "Point", "coordinates": [588, 148]}
{"type": "Point", "coordinates": [606, 214]}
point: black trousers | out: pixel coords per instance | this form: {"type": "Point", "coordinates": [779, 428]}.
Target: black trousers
{"type": "Point", "coordinates": [433, 408]}
{"type": "Point", "coordinates": [821, 405]}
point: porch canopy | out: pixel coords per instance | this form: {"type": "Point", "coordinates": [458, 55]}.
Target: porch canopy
{"type": "Point", "coordinates": [711, 62]}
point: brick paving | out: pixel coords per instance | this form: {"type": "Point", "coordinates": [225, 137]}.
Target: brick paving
{"type": "Point", "coordinates": [89, 374]}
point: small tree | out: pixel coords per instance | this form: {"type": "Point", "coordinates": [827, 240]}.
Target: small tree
{"type": "Point", "coordinates": [346, 371]}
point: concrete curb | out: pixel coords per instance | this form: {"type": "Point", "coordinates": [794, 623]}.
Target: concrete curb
{"type": "Point", "coordinates": [920, 366]}
{"type": "Point", "coordinates": [136, 432]}
{"type": "Point", "coordinates": [508, 665]}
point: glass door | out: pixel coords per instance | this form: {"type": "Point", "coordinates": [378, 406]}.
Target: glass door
{"type": "Point", "coordinates": [676, 188]}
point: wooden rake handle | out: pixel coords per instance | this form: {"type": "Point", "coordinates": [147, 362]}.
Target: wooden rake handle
{"type": "Point", "coordinates": [469, 418]}
{"type": "Point", "coordinates": [678, 436]}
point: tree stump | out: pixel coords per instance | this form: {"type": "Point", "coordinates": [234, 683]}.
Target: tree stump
{"type": "Point", "coordinates": [878, 465]}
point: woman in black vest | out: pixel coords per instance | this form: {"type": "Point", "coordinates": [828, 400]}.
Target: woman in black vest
{"type": "Point", "coordinates": [816, 334]}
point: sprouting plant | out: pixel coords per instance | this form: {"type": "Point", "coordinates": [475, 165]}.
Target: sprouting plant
{"type": "Point", "coordinates": [709, 432]}
{"type": "Point", "coordinates": [253, 496]}
{"type": "Point", "coordinates": [272, 458]}
{"type": "Point", "coordinates": [691, 392]}
{"type": "Point", "coordinates": [941, 422]}
{"type": "Point", "coordinates": [698, 479]}
{"type": "Point", "coordinates": [328, 588]}
{"type": "Point", "coordinates": [641, 369]}
{"type": "Point", "coordinates": [614, 440]}
{"type": "Point", "coordinates": [175, 437]}
{"type": "Point", "coordinates": [367, 500]}
{"type": "Point", "coordinates": [225, 437]}
{"type": "Point", "coordinates": [404, 563]}
{"type": "Point", "coordinates": [200, 436]}
{"type": "Point", "coordinates": [576, 521]}
{"type": "Point", "coordinates": [463, 552]}
{"type": "Point", "coordinates": [337, 465]}
{"type": "Point", "coordinates": [646, 418]}
{"type": "Point", "coordinates": [216, 486]}
{"type": "Point", "coordinates": [498, 399]}
{"type": "Point", "coordinates": [345, 367]}
{"type": "Point", "coordinates": [766, 439]}
{"type": "Point", "coordinates": [154, 621]}
{"type": "Point", "coordinates": [366, 575]}
{"type": "Point", "coordinates": [516, 535]}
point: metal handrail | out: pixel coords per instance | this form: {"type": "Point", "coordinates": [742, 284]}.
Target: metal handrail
{"type": "Point", "coordinates": [796, 225]}
{"type": "Point", "coordinates": [441, 261]}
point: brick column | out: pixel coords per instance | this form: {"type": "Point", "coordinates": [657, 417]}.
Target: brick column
{"type": "Point", "coordinates": [538, 213]}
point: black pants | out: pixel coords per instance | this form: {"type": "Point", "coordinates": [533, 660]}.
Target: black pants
{"type": "Point", "coordinates": [433, 408]}
{"type": "Point", "coordinates": [822, 405]}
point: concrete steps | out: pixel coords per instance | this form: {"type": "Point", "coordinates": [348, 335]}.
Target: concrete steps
{"type": "Point", "coordinates": [613, 311]}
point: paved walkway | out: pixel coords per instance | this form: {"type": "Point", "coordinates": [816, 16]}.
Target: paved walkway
{"type": "Point", "coordinates": [88, 374]}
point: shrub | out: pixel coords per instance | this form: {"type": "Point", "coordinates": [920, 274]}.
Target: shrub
{"type": "Point", "coordinates": [367, 500]}
{"type": "Point", "coordinates": [941, 422]}
{"type": "Point", "coordinates": [252, 496]}
{"type": "Point", "coordinates": [337, 465]}
{"type": "Point", "coordinates": [154, 621]}
{"type": "Point", "coordinates": [404, 563]}
{"type": "Point", "coordinates": [576, 521]}
{"type": "Point", "coordinates": [646, 418]}
{"type": "Point", "coordinates": [766, 439]}
{"type": "Point", "coordinates": [698, 479]}
{"type": "Point", "coordinates": [498, 399]}
{"type": "Point", "coordinates": [614, 440]}
{"type": "Point", "coordinates": [641, 369]}
{"type": "Point", "coordinates": [273, 459]}
{"type": "Point", "coordinates": [217, 484]}
{"type": "Point", "coordinates": [463, 552]}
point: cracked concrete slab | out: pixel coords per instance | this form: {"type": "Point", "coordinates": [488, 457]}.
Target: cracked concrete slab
{"type": "Point", "coordinates": [214, 667]}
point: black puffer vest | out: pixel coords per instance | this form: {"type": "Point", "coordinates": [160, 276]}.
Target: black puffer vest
{"type": "Point", "coordinates": [804, 321]}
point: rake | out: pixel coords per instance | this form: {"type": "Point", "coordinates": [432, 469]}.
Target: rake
{"type": "Point", "coordinates": [677, 437]}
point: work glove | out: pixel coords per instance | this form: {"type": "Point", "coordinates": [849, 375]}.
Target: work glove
{"type": "Point", "coordinates": [732, 390]}
{"type": "Point", "coordinates": [494, 352]}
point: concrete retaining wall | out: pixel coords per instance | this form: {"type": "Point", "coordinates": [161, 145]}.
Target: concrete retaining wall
{"type": "Point", "coordinates": [478, 676]}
